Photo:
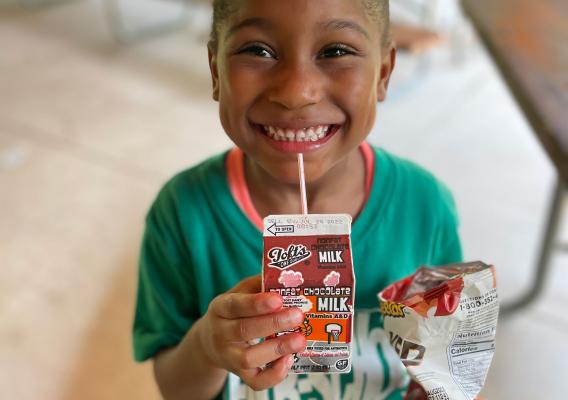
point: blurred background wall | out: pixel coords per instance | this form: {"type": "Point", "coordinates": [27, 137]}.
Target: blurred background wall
{"type": "Point", "coordinates": [101, 101]}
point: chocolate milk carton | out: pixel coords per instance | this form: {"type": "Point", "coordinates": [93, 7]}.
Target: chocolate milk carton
{"type": "Point", "coordinates": [307, 259]}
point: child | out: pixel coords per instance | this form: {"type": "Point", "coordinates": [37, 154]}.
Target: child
{"type": "Point", "coordinates": [290, 76]}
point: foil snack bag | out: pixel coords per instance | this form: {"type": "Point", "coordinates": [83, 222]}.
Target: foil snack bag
{"type": "Point", "coordinates": [442, 323]}
{"type": "Point", "coordinates": [307, 260]}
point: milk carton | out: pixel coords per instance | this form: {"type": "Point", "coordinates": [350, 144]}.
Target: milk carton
{"type": "Point", "coordinates": [307, 259]}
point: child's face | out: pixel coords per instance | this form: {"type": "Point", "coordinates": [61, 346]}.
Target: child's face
{"type": "Point", "coordinates": [299, 76]}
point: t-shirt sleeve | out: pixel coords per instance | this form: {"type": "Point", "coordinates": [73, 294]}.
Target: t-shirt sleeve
{"type": "Point", "coordinates": [165, 305]}
{"type": "Point", "coordinates": [447, 247]}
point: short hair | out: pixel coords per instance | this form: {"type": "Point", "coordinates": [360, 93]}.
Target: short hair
{"type": "Point", "coordinates": [378, 10]}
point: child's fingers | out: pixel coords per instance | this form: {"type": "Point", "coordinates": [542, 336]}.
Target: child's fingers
{"type": "Point", "coordinates": [415, 392]}
{"type": "Point", "coordinates": [242, 305]}
{"type": "Point", "coordinates": [270, 350]}
{"type": "Point", "coordinates": [246, 329]}
{"type": "Point", "coordinates": [268, 377]}
{"type": "Point", "coordinates": [252, 284]}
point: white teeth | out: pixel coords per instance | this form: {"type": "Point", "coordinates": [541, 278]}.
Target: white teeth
{"type": "Point", "coordinates": [313, 133]}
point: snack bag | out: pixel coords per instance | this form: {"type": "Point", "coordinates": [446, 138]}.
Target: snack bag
{"type": "Point", "coordinates": [307, 260]}
{"type": "Point", "coordinates": [442, 323]}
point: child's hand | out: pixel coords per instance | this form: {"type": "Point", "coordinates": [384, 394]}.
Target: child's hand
{"type": "Point", "coordinates": [416, 392]}
{"type": "Point", "coordinates": [243, 314]}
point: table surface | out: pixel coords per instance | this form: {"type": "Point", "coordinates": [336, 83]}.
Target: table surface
{"type": "Point", "coordinates": [528, 40]}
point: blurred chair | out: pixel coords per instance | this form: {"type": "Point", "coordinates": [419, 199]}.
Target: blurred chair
{"type": "Point", "coordinates": [442, 23]}
{"type": "Point", "coordinates": [125, 35]}
{"type": "Point", "coordinates": [42, 3]}
{"type": "Point", "coordinates": [415, 14]}
{"type": "Point", "coordinates": [434, 17]}
{"type": "Point", "coordinates": [424, 10]}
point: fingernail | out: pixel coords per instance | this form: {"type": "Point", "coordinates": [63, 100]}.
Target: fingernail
{"type": "Point", "coordinates": [298, 343]}
{"type": "Point", "coordinates": [297, 316]}
{"type": "Point", "coordinates": [290, 362]}
{"type": "Point", "coordinates": [274, 302]}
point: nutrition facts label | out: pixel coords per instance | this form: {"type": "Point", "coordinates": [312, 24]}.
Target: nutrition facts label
{"type": "Point", "coordinates": [469, 364]}
{"type": "Point", "coordinates": [471, 350]}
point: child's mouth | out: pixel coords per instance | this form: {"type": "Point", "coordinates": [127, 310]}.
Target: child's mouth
{"type": "Point", "coordinates": [298, 140]}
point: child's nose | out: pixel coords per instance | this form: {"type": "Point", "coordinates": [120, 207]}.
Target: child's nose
{"type": "Point", "coordinates": [296, 86]}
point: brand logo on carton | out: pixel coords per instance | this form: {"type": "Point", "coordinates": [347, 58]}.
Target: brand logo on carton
{"type": "Point", "coordinates": [342, 364]}
{"type": "Point", "coordinates": [284, 258]}
{"type": "Point", "coordinates": [390, 309]}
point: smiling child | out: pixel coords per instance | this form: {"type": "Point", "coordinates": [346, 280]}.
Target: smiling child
{"type": "Point", "coordinates": [294, 76]}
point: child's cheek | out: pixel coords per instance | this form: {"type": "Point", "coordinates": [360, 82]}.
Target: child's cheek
{"type": "Point", "coordinates": [356, 81]}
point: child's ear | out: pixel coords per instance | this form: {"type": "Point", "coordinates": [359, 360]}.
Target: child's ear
{"type": "Point", "coordinates": [212, 54]}
{"type": "Point", "coordinates": [387, 66]}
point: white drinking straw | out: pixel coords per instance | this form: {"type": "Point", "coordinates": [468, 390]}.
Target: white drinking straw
{"type": "Point", "coordinates": [302, 184]}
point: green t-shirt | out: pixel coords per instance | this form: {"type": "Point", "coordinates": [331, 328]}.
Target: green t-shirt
{"type": "Point", "coordinates": [198, 244]}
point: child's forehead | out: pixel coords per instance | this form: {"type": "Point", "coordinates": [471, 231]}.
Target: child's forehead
{"type": "Point", "coordinates": [301, 14]}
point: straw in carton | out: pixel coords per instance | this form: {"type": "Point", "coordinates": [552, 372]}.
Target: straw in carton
{"type": "Point", "coordinates": [303, 195]}
{"type": "Point", "coordinates": [307, 260]}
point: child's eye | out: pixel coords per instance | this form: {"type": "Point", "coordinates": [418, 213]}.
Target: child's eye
{"type": "Point", "coordinates": [336, 50]}
{"type": "Point", "coordinates": [257, 50]}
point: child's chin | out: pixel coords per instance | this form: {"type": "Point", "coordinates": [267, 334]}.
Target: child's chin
{"type": "Point", "coordinates": [293, 177]}
{"type": "Point", "coordinates": [286, 177]}
{"type": "Point", "coordinates": [287, 172]}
